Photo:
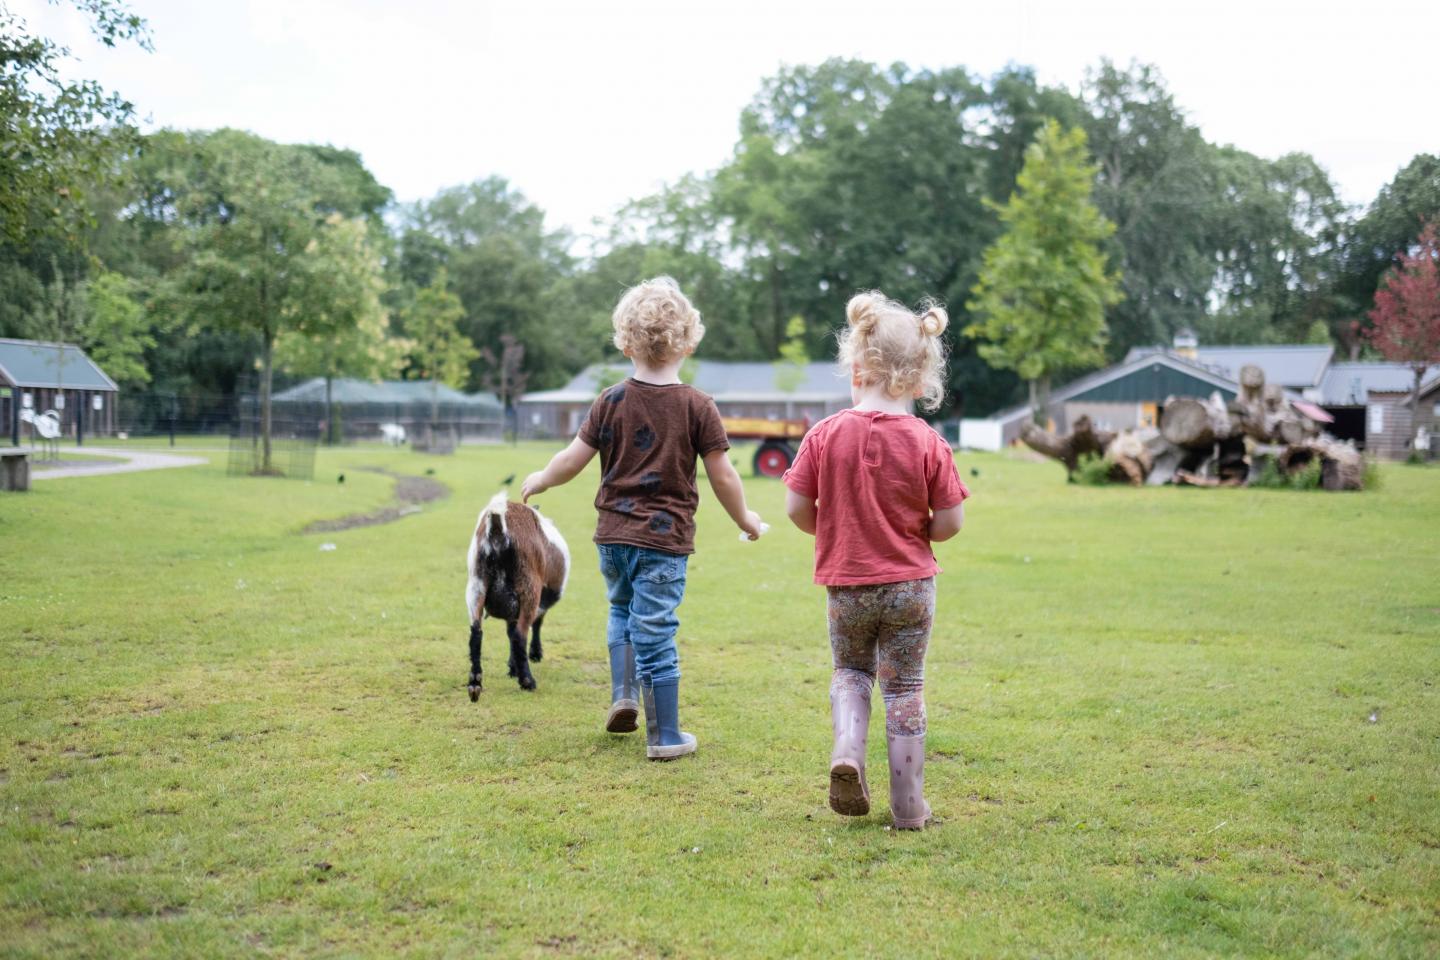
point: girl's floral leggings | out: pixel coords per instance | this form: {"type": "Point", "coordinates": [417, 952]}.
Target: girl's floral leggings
{"type": "Point", "coordinates": [882, 630]}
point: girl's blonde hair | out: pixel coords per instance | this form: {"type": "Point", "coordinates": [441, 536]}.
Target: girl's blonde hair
{"type": "Point", "coordinates": [655, 323]}
{"type": "Point", "coordinates": [900, 350]}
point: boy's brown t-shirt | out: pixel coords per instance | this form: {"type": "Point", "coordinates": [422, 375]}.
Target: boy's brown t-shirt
{"type": "Point", "coordinates": [649, 436]}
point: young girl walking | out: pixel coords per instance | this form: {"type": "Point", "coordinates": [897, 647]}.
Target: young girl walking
{"type": "Point", "coordinates": [876, 486]}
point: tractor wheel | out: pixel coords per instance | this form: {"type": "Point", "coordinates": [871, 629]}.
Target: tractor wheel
{"type": "Point", "coordinates": [773, 459]}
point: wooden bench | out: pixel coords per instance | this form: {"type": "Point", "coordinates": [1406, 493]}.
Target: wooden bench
{"type": "Point", "coordinates": [14, 469]}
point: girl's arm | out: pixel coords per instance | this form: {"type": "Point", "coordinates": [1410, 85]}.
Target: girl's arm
{"type": "Point", "coordinates": [562, 468]}
{"type": "Point", "coordinates": [801, 511]}
{"type": "Point", "coordinates": [944, 524]}
{"type": "Point", "coordinates": [731, 493]}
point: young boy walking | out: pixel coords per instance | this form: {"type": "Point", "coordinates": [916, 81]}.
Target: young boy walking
{"type": "Point", "coordinates": [649, 430]}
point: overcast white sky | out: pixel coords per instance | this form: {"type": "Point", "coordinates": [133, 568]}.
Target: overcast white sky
{"type": "Point", "coordinates": [583, 105]}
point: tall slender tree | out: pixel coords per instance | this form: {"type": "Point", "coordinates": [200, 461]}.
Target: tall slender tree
{"type": "Point", "coordinates": [346, 332]}
{"type": "Point", "coordinates": [60, 134]}
{"type": "Point", "coordinates": [1042, 293]}
{"type": "Point", "coordinates": [441, 352]}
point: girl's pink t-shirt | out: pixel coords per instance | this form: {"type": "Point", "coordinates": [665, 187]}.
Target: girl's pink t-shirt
{"type": "Point", "coordinates": [876, 477]}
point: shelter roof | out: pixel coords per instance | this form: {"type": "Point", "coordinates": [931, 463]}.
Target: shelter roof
{"type": "Point", "coordinates": [348, 391]}
{"type": "Point", "coordinates": [1350, 384]}
{"type": "Point", "coordinates": [1295, 366]}
{"type": "Point", "coordinates": [40, 365]}
{"type": "Point", "coordinates": [1133, 364]}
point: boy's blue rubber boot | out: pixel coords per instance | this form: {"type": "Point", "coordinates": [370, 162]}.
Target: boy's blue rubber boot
{"type": "Point", "coordinates": [624, 693]}
{"type": "Point", "coordinates": [664, 740]}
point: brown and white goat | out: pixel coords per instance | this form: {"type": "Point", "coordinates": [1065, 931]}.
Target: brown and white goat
{"type": "Point", "coordinates": [518, 565]}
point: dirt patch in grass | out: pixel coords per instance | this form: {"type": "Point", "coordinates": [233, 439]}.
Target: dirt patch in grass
{"type": "Point", "coordinates": [410, 492]}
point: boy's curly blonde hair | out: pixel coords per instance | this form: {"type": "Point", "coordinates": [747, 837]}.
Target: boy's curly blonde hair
{"type": "Point", "coordinates": [898, 349]}
{"type": "Point", "coordinates": [655, 323]}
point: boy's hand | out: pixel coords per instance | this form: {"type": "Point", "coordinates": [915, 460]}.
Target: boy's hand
{"type": "Point", "coordinates": [534, 484]}
{"type": "Point", "coordinates": [752, 525]}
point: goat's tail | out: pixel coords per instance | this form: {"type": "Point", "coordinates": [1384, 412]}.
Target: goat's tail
{"type": "Point", "coordinates": [493, 528]}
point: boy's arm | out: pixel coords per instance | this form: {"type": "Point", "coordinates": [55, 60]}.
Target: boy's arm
{"type": "Point", "coordinates": [801, 511]}
{"type": "Point", "coordinates": [731, 494]}
{"type": "Point", "coordinates": [562, 468]}
{"type": "Point", "coordinates": [944, 524]}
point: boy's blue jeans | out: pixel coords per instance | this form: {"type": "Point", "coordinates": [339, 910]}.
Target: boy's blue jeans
{"type": "Point", "coordinates": [645, 587]}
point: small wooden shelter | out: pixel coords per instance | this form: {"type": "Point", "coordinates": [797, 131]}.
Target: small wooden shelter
{"type": "Point", "coordinates": [39, 376]}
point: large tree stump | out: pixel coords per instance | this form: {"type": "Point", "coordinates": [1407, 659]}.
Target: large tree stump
{"type": "Point", "coordinates": [1252, 382]}
{"type": "Point", "coordinates": [1082, 439]}
{"type": "Point", "coordinates": [1131, 458]}
{"type": "Point", "coordinates": [1341, 465]}
{"type": "Point", "coordinates": [1195, 424]}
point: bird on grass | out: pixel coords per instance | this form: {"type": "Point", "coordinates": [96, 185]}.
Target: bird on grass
{"type": "Point", "coordinates": [340, 479]}
{"type": "Point", "coordinates": [974, 471]}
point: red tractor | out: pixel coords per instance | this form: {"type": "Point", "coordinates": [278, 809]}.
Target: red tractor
{"type": "Point", "coordinates": [779, 441]}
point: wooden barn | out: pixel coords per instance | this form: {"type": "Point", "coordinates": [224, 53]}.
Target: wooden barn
{"type": "Point", "coordinates": [1129, 394]}
{"type": "Point", "coordinates": [1371, 405]}
{"type": "Point", "coordinates": [39, 376]}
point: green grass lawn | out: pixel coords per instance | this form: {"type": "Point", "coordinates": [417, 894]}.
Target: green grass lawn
{"type": "Point", "coordinates": [1150, 712]}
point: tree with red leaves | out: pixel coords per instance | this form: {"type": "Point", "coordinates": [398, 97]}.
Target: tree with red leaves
{"type": "Point", "coordinates": [1407, 311]}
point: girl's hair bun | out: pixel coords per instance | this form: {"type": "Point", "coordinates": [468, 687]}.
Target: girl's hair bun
{"type": "Point", "coordinates": [863, 310]}
{"type": "Point", "coordinates": [934, 320]}
{"type": "Point", "coordinates": [889, 344]}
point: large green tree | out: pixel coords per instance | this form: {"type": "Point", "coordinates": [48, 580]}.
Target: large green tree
{"type": "Point", "coordinates": [1234, 246]}
{"type": "Point", "coordinates": [1155, 181]}
{"type": "Point", "coordinates": [1041, 298]}
{"type": "Point", "coordinates": [256, 217]}
{"type": "Point", "coordinates": [115, 333]}
{"type": "Point", "coordinates": [849, 176]}
{"type": "Point", "coordinates": [60, 135]}
{"type": "Point", "coordinates": [1275, 245]}
{"type": "Point", "coordinates": [346, 332]}
{"type": "Point", "coordinates": [510, 273]}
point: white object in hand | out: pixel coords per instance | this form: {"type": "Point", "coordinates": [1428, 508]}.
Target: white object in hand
{"type": "Point", "coordinates": [764, 529]}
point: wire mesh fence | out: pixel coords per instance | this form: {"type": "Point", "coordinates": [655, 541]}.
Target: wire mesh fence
{"type": "Point", "coordinates": [287, 449]}
{"type": "Point", "coordinates": [163, 413]}
{"type": "Point", "coordinates": [425, 426]}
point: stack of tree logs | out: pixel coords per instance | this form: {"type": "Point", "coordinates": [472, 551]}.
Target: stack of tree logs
{"type": "Point", "coordinates": [1211, 443]}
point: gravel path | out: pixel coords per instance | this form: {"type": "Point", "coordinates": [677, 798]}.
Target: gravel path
{"type": "Point", "coordinates": [135, 461]}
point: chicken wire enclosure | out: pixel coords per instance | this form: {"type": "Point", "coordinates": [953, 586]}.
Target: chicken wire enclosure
{"type": "Point", "coordinates": [294, 434]}
{"type": "Point", "coordinates": [424, 411]}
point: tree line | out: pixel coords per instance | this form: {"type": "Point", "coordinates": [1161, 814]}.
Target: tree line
{"type": "Point", "coordinates": [195, 261]}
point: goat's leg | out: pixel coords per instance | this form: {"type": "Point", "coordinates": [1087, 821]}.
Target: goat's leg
{"type": "Point", "coordinates": [474, 660]}
{"type": "Point", "coordinates": [548, 598]}
{"type": "Point", "coordinates": [516, 630]}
